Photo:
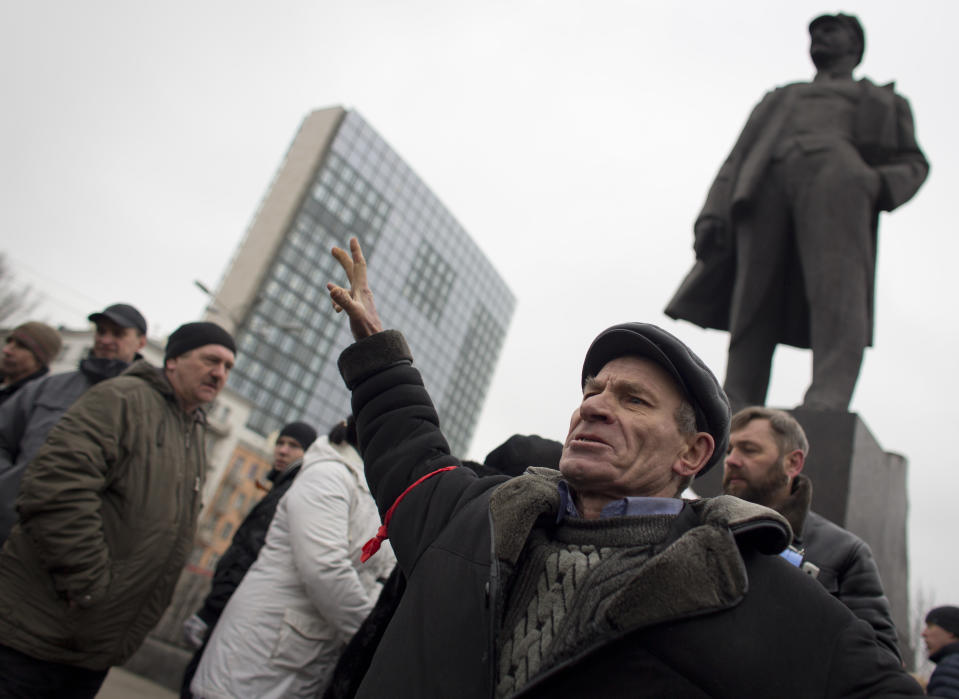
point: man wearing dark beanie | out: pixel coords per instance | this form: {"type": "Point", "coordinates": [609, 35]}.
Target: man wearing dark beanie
{"type": "Point", "coordinates": [107, 515]}
{"type": "Point", "coordinates": [942, 642]}
{"type": "Point", "coordinates": [294, 439]}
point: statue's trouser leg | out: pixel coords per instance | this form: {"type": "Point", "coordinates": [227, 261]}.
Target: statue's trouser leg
{"type": "Point", "coordinates": [762, 250]}
{"type": "Point", "coordinates": [833, 207]}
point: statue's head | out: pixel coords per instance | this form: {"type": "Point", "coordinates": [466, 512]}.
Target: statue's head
{"type": "Point", "coordinates": [834, 38]}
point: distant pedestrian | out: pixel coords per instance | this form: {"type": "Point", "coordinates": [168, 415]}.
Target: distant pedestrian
{"type": "Point", "coordinates": [108, 510]}
{"type": "Point", "coordinates": [942, 642]}
{"type": "Point", "coordinates": [27, 354]}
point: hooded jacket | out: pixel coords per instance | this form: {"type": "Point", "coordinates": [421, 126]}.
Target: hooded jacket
{"type": "Point", "coordinates": [30, 414]}
{"type": "Point", "coordinates": [108, 510]}
{"type": "Point", "coordinates": [307, 593]}
{"type": "Point", "coordinates": [710, 614]}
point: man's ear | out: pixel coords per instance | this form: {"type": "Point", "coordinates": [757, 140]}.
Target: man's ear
{"type": "Point", "coordinates": [696, 454]}
{"type": "Point", "coordinates": [142, 342]}
{"type": "Point", "coordinates": [793, 462]}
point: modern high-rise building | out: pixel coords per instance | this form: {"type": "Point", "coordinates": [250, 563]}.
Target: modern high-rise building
{"type": "Point", "coordinates": [339, 179]}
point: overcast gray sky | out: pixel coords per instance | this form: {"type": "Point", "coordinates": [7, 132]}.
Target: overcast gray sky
{"type": "Point", "coordinates": [575, 141]}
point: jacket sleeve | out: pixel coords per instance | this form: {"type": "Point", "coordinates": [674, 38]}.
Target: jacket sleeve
{"type": "Point", "coordinates": [400, 441]}
{"type": "Point", "coordinates": [860, 589]}
{"type": "Point", "coordinates": [14, 417]}
{"type": "Point", "coordinates": [318, 509]}
{"type": "Point", "coordinates": [59, 501]}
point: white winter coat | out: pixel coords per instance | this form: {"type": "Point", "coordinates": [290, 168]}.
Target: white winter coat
{"type": "Point", "coordinates": [284, 628]}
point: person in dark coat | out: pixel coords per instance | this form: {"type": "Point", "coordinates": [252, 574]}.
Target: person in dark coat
{"type": "Point", "coordinates": [26, 356]}
{"type": "Point", "coordinates": [294, 439]}
{"type": "Point", "coordinates": [767, 451]}
{"type": "Point", "coordinates": [942, 643]}
{"type": "Point", "coordinates": [594, 580]}
{"type": "Point", "coordinates": [27, 418]}
{"type": "Point", "coordinates": [786, 241]}
{"type": "Point", "coordinates": [510, 458]}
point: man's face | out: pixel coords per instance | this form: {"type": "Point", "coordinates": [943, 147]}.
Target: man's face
{"type": "Point", "coordinates": [286, 451]}
{"type": "Point", "coordinates": [830, 40]}
{"type": "Point", "coordinates": [754, 469]}
{"type": "Point", "coordinates": [623, 439]}
{"type": "Point", "coordinates": [18, 362]}
{"type": "Point", "coordinates": [936, 637]}
{"type": "Point", "coordinates": [111, 341]}
{"type": "Point", "coordinates": [198, 375]}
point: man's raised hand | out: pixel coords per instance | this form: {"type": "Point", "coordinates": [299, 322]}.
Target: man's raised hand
{"type": "Point", "coordinates": [358, 300]}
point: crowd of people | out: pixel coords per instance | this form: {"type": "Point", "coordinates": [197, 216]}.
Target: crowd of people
{"type": "Point", "coordinates": [380, 564]}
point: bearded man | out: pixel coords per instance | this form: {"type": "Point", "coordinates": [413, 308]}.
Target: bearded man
{"type": "Point", "coordinates": [767, 451]}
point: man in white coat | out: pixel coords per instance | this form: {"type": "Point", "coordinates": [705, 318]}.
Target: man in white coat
{"type": "Point", "coordinates": [283, 629]}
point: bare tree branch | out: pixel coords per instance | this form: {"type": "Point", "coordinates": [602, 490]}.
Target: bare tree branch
{"type": "Point", "coordinates": [16, 301]}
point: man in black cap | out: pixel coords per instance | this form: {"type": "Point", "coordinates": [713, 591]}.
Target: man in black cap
{"type": "Point", "coordinates": [107, 515]}
{"type": "Point", "coordinates": [119, 335]}
{"type": "Point", "coordinates": [942, 643]}
{"type": "Point", "coordinates": [594, 580]}
{"type": "Point", "coordinates": [786, 241]}
{"type": "Point", "coordinates": [294, 439]}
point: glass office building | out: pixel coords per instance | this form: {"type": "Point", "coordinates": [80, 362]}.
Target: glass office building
{"type": "Point", "coordinates": [340, 179]}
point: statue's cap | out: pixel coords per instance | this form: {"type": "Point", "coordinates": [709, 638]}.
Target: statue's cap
{"type": "Point", "coordinates": [850, 22]}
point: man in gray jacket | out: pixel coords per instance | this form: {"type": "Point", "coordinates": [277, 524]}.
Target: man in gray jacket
{"type": "Point", "coordinates": [767, 451]}
{"type": "Point", "coordinates": [32, 412]}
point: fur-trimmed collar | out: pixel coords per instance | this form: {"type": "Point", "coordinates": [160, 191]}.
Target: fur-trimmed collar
{"type": "Point", "coordinates": [680, 579]}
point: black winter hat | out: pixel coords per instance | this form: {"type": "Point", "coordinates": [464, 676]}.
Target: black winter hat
{"type": "Point", "coordinates": [301, 432]}
{"type": "Point", "coordinates": [513, 456]}
{"type": "Point", "coordinates": [946, 618]}
{"type": "Point", "coordinates": [192, 335]}
{"type": "Point", "coordinates": [695, 379]}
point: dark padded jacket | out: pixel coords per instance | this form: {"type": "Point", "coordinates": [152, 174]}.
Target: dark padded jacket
{"type": "Point", "coordinates": [108, 510]}
{"type": "Point", "coordinates": [29, 415]}
{"type": "Point", "coordinates": [246, 545]}
{"type": "Point", "coordinates": [846, 566]}
{"type": "Point", "coordinates": [710, 615]}
{"type": "Point", "coordinates": [945, 678]}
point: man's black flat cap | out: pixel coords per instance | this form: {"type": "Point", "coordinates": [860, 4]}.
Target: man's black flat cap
{"type": "Point", "coordinates": [695, 380]}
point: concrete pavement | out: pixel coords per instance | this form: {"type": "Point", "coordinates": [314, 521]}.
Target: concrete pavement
{"type": "Point", "coordinates": [122, 684]}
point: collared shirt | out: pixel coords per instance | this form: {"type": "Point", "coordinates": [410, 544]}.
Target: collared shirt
{"type": "Point", "coordinates": [624, 507]}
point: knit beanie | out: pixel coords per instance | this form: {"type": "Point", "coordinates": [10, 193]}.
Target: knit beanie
{"type": "Point", "coordinates": [192, 335]}
{"type": "Point", "coordinates": [40, 339]}
{"type": "Point", "coordinates": [301, 432]}
{"type": "Point", "coordinates": [945, 618]}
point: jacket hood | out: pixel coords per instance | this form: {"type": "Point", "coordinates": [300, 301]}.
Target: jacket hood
{"type": "Point", "coordinates": [142, 369]}
{"type": "Point", "coordinates": [322, 450]}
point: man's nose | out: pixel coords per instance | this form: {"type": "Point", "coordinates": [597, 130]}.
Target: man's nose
{"type": "Point", "coordinates": [596, 406]}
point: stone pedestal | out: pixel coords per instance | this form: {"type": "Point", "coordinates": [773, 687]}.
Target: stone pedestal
{"type": "Point", "coordinates": [860, 487]}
